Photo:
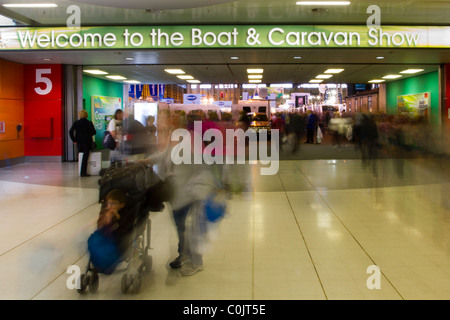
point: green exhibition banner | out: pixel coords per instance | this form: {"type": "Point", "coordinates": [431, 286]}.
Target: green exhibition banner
{"type": "Point", "coordinates": [414, 104]}
{"type": "Point", "coordinates": [222, 36]}
{"type": "Point", "coordinates": [103, 109]}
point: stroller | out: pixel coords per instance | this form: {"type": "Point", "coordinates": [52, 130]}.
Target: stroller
{"type": "Point", "coordinates": [132, 238]}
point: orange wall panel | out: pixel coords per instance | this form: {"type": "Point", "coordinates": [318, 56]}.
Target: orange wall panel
{"type": "Point", "coordinates": [11, 109]}
{"type": "Point", "coordinates": [12, 149]}
{"type": "Point", "coordinates": [11, 80]}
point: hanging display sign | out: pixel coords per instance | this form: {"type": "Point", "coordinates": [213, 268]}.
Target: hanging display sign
{"type": "Point", "coordinates": [189, 98]}
{"type": "Point", "coordinates": [135, 91]}
{"type": "Point", "coordinates": [414, 104]}
{"type": "Point", "coordinates": [223, 104]}
{"type": "Point", "coordinates": [275, 92]}
{"type": "Point", "coordinates": [167, 100]}
{"type": "Point", "coordinates": [103, 109]}
{"type": "Point", "coordinates": [223, 36]}
{"type": "Point", "coordinates": [156, 91]}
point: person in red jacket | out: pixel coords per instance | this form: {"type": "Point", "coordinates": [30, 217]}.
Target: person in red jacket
{"type": "Point", "coordinates": [279, 123]}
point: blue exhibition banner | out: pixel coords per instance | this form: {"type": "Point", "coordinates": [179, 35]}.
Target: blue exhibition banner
{"type": "Point", "coordinates": [135, 91]}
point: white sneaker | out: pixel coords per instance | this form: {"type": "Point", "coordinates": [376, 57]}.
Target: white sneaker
{"type": "Point", "coordinates": [188, 269]}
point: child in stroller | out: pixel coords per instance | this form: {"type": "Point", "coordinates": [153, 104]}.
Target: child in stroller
{"type": "Point", "coordinates": [109, 215]}
{"type": "Point", "coordinates": [122, 226]}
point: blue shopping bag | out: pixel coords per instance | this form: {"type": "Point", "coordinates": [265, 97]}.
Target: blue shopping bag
{"type": "Point", "coordinates": [215, 207]}
{"type": "Point", "coordinates": [103, 252]}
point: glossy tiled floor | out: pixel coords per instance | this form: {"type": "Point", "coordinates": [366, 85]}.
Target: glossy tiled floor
{"type": "Point", "coordinates": [310, 232]}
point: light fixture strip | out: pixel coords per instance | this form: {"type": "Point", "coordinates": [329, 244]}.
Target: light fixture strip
{"type": "Point", "coordinates": [324, 76]}
{"type": "Point", "coordinates": [323, 3]}
{"type": "Point", "coordinates": [334, 71]}
{"type": "Point", "coordinates": [410, 71]}
{"type": "Point", "coordinates": [174, 71]}
{"type": "Point", "coordinates": [30, 5]}
{"type": "Point", "coordinates": [255, 70]}
{"type": "Point", "coordinates": [116, 77]}
{"type": "Point", "coordinates": [392, 76]}
{"type": "Point", "coordinates": [95, 71]}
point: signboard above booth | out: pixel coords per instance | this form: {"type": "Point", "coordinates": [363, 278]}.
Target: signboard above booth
{"type": "Point", "coordinates": [223, 36]}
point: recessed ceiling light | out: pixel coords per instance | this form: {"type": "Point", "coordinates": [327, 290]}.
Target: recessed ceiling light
{"type": "Point", "coordinates": [324, 76]}
{"type": "Point", "coordinates": [30, 5]}
{"type": "Point", "coordinates": [234, 58]}
{"type": "Point", "coordinates": [174, 71]}
{"type": "Point", "coordinates": [380, 58]}
{"type": "Point", "coordinates": [392, 76]}
{"type": "Point", "coordinates": [323, 3]}
{"type": "Point", "coordinates": [334, 70]}
{"type": "Point", "coordinates": [316, 81]}
{"type": "Point", "coordinates": [409, 71]}
{"type": "Point", "coordinates": [129, 59]}
{"type": "Point", "coordinates": [47, 59]}
{"type": "Point", "coordinates": [376, 81]}
{"type": "Point", "coordinates": [297, 58]}
{"type": "Point", "coordinates": [254, 81]}
{"type": "Point", "coordinates": [255, 70]}
{"type": "Point", "coordinates": [132, 81]}
{"type": "Point", "coordinates": [255, 76]}
{"type": "Point", "coordinates": [95, 71]}
{"type": "Point", "coordinates": [116, 77]}
{"type": "Point", "coordinates": [185, 77]}
{"type": "Point", "coordinates": [193, 81]}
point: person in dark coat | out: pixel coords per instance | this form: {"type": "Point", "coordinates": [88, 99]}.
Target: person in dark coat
{"type": "Point", "coordinates": [81, 133]}
{"type": "Point", "coordinates": [311, 127]}
{"type": "Point", "coordinates": [369, 139]}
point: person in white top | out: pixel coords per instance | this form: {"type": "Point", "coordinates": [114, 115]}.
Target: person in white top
{"type": "Point", "coordinates": [115, 128]}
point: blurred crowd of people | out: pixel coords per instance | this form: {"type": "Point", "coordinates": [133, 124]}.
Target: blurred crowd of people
{"type": "Point", "coordinates": [393, 134]}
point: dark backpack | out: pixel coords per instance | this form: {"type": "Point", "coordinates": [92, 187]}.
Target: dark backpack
{"type": "Point", "coordinates": [108, 141]}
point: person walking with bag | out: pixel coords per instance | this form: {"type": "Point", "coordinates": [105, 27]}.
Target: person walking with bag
{"type": "Point", "coordinates": [188, 185]}
{"type": "Point", "coordinates": [115, 129]}
{"type": "Point", "coordinates": [81, 134]}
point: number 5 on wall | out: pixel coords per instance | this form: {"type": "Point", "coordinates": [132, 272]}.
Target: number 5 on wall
{"type": "Point", "coordinates": [41, 79]}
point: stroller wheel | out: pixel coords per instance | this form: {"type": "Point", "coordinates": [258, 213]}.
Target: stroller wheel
{"type": "Point", "coordinates": [93, 283]}
{"type": "Point", "coordinates": [83, 284]}
{"type": "Point", "coordinates": [136, 284]}
{"type": "Point", "coordinates": [131, 284]}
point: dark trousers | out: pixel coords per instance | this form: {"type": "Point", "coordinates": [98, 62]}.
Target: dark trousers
{"type": "Point", "coordinates": [310, 135]}
{"type": "Point", "coordinates": [184, 246]}
{"type": "Point", "coordinates": [86, 149]}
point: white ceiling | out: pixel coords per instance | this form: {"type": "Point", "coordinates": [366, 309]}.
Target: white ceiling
{"type": "Point", "coordinates": [237, 74]}
{"type": "Point", "coordinates": [154, 4]}
{"type": "Point", "coordinates": [215, 66]}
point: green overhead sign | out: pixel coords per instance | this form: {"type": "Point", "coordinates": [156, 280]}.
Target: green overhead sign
{"type": "Point", "coordinates": [225, 36]}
